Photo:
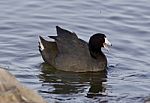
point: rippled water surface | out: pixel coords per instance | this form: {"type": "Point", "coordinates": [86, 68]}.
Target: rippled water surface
{"type": "Point", "coordinates": [125, 22]}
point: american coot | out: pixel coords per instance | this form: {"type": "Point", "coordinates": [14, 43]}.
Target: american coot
{"type": "Point", "coordinates": [69, 53]}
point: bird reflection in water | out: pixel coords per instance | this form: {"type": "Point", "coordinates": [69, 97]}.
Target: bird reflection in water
{"type": "Point", "coordinates": [60, 82]}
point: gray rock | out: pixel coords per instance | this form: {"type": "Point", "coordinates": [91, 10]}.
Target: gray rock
{"type": "Point", "coordinates": [147, 101]}
{"type": "Point", "coordinates": [11, 91]}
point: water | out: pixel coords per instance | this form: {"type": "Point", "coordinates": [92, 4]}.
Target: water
{"type": "Point", "coordinates": [126, 23]}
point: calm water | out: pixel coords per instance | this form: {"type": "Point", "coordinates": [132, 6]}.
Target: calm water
{"type": "Point", "coordinates": [125, 22]}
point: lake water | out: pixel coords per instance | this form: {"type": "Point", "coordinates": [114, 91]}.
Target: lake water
{"type": "Point", "coordinates": [126, 23]}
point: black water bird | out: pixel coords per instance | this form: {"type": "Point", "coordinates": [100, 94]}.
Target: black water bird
{"type": "Point", "coordinates": [69, 53]}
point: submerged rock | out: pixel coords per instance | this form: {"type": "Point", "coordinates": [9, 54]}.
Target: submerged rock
{"type": "Point", "coordinates": [11, 91]}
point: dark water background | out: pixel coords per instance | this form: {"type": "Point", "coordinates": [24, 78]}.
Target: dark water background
{"type": "Point", "coordinates": [125, 22]}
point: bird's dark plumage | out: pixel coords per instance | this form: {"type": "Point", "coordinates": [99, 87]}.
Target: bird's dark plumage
{"type": "Point", "coordinates": [69, 53]}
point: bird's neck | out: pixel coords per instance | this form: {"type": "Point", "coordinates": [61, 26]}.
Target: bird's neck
{"type": "Point", "coordinates": [96, 54]}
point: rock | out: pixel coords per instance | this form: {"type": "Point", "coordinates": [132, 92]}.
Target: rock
{"type": "Point", "coordinates": [147, 101]}
{"type": "Point", "coordinates": [11, 91]}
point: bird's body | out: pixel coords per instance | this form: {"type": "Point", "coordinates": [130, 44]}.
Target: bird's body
{"type": "Point", "coordinates": [69, 53]}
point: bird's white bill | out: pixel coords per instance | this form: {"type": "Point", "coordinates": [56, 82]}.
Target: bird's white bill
{"type": "Point", "coordinates": [106, 44]}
